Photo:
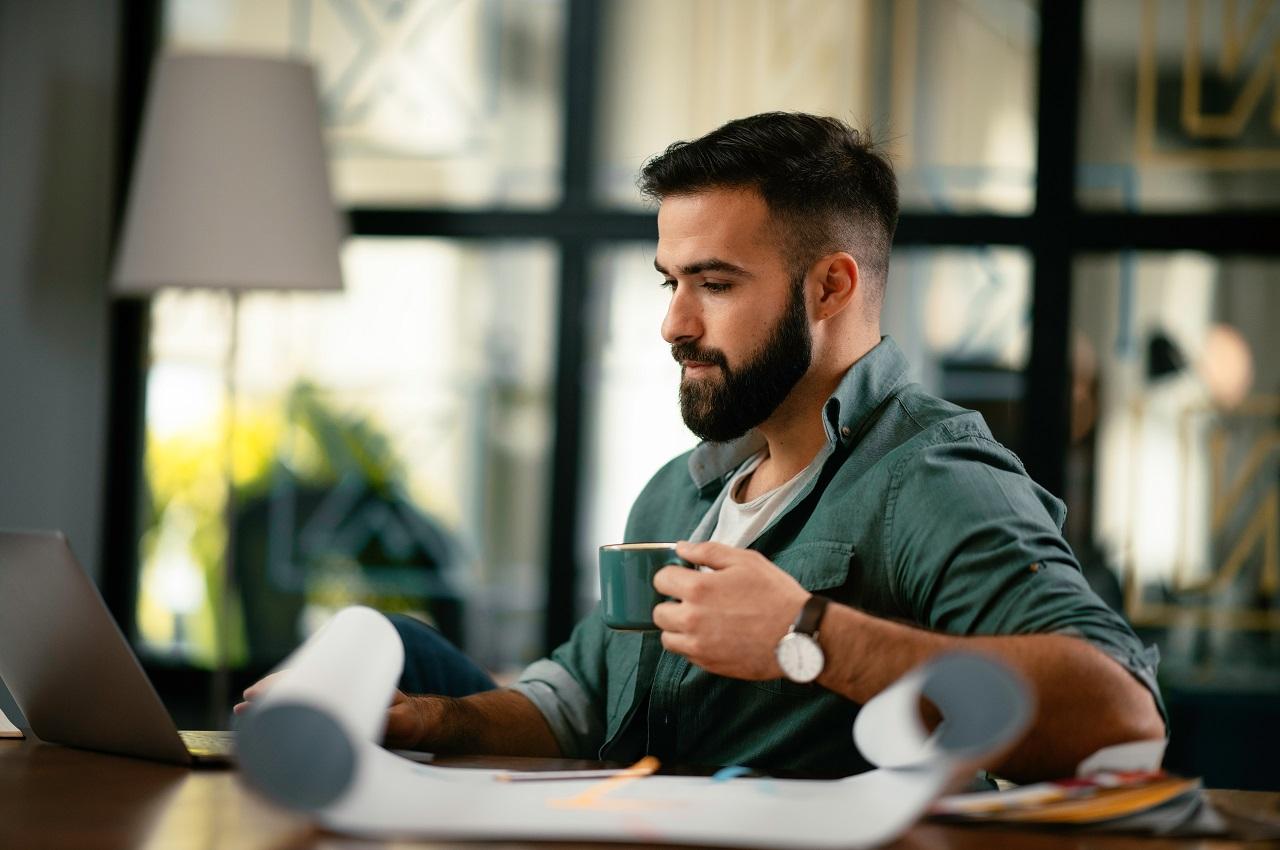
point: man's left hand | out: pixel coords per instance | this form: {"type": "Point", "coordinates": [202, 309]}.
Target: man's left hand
{"type": "Point", "coordinates": [729, 620]}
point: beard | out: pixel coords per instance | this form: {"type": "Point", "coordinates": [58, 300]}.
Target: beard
{"type": "Point", "coordinates": [724, 408]}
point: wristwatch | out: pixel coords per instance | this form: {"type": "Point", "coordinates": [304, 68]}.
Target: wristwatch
{"type": "Point", "coordinates": [799, 654]}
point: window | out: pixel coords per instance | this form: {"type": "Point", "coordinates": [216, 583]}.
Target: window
{"type": "Point", "coordinates": [1089, 194]}
{"type": "Point", "coordinates": [454, 104]}
{"type": "Point", "coordinates": [388, 445]}
{"type": "Point", "coordinates": [1176, 414]}
{"type": "Point", "coordinates": [1175, 111]}
{"type": "Point", "coordinates": [947, 87]}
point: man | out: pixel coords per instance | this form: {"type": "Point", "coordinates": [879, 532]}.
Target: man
{"type": "Point", "coordinates": [830, 498]}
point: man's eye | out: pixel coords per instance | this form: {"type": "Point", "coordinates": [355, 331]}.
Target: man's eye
{"type": "Point", "coordinates": [715, 286]}
{"type": "Point", "coordinates": [669, 284]}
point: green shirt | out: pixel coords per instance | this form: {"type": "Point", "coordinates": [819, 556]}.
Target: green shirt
{"type": "Point", "coordinates": [918, 515]}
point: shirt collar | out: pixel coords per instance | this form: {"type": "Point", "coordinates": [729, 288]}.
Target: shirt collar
{"type": "Point", "coordinates": [862, 390]}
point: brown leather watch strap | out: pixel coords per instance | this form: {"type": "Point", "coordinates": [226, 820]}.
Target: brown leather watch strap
{"type": "Point", "coordinates": [810, 616]}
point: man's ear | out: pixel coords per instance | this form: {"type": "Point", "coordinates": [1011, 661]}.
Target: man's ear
{"type": "Point", "coordinates": [838, 276]}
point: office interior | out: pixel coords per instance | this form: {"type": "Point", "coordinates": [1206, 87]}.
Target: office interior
{"type": "Point", "coordinates": [1087, 254]}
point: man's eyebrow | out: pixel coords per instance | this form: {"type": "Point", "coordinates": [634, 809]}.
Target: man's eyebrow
{"type": "Point", "coordinates": [711, 264]}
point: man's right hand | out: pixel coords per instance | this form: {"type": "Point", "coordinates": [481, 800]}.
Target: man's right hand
{"type": "Point", "coordinates": [406, 722]}
{"type": "Point", "coordinates": [501, 722]}
{"type": "Point", "coordinates": [405, 716]}
{"type": "Point", "coordinates": [256, 690]}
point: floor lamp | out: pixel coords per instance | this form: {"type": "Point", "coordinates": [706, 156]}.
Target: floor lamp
{"type": "Point", "coordinates": [231, 192]}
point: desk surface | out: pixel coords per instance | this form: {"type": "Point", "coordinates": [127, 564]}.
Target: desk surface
{"type": "Point", "coordinates": [53, 797]}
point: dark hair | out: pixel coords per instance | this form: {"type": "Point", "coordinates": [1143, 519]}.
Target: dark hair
{"type": "Point", "coordinates": [821, 179]}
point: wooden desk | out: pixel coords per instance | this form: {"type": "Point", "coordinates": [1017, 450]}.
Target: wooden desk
{"type": "Point", "coordinates": [52, 797]}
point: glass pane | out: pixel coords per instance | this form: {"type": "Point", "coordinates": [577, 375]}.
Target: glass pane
{"type": "Point", "coordinates": [962, 316]}
{"type": "Point", "coordinates": [389, 446]}
{"type": "Point", "coordinates": [1179, 109]}
{"type": "Point", "coordinates": [949, 86]}
{"type": "Point", "coordinates": [1177, 372]}
{"type": "Point", "coordinates": [632, 387]}
{"type": "Point", "coordinates": [452, 103]}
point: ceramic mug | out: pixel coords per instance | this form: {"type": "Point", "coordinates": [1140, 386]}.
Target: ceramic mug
{"type": "Point", "coordinates": [627, 596]}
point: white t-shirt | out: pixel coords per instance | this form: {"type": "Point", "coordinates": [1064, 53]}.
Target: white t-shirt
{"type": "Point", "coordinates": [740, 523]}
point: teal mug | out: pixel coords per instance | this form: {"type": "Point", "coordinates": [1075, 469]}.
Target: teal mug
{"type": "Point", "coordinates": [627, 596]}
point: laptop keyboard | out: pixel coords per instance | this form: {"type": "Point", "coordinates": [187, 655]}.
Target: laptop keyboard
{"type": "Point", "coordinates": [209, 743]}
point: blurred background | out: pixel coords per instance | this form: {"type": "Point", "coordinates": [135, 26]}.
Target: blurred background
{"type": "Point", "coordinates": [1088, 255]}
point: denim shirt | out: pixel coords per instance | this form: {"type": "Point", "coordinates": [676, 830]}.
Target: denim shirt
{"type": "Point", "coordinates": [918, 515]}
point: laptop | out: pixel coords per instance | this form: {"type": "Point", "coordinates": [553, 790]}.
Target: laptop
{"type": "Point", "coordinates": [69, 668]}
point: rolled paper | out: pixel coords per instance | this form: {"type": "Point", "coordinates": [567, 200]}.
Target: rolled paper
{"type": "Point", "coordinates": [984, 705]}
{"type": "Point", "coordinates": [301, 743]}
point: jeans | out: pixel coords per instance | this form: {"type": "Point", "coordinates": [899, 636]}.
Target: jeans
{"type": "Point", "coordinates": [432, 665]}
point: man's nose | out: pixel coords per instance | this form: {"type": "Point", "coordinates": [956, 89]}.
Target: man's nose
{"type": "Point", "coordinates": [681, 322]}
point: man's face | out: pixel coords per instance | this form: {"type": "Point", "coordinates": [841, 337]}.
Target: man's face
{"type": "Point", "coordinates": [737, 322]}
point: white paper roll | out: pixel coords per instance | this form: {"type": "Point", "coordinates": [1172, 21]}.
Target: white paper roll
{"type": "Point", "coordinates": [984, 707]}
{"type": "Point", "coordinates": [301, 743]}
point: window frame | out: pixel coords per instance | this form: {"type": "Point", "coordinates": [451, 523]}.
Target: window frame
{"type": "Point", "coordinates": [1054, 233]}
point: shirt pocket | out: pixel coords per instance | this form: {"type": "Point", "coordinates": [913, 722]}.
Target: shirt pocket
{"type": "Point", "coordinates": [820, 566]}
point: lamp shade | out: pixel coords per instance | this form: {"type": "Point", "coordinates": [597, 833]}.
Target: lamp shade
{"type": "Point", "coordinates": [231, 185]}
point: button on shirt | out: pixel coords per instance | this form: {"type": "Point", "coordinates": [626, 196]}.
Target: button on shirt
{"type": "Point", "coordinates": [917, 514]}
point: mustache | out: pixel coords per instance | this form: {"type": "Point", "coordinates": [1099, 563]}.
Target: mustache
{"type": "Point", "coordinates": [682, 351]}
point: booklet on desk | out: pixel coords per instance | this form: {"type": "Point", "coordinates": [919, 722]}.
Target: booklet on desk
{"type": "Point", "coordinates": [1079, 801]}
{"type": "Point", "coordinates": [1118, 789]}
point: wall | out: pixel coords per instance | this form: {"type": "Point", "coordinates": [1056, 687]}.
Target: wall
{"type": "Point", "coordinates": [57, 132]}
{"type": "Point", "coordinates": [58, 64]}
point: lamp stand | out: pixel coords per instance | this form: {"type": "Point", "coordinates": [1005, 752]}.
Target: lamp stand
{"type": "Point", "coordinates": [220, 691]}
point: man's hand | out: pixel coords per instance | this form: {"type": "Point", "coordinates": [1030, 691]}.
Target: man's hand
{"type": "Point", "coordinates": [406, 725]}
{"type": "Point", "coordinates": [501, 722]}
{"type": "Point", "coordinates": [256, 690]}
{"type": "Point", "coordinates": [729, 620]}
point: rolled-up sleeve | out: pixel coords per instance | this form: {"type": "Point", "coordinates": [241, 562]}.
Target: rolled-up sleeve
{"type": "Point", "coordinates": [977, 549]}
{"type": "Point", "coordinates": [567, 688]}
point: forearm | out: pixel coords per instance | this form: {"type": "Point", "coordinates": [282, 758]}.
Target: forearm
{"type": "Point", "coordinates": [501, 722]}
{"type": "Point", "coordinates": [1085, 700]}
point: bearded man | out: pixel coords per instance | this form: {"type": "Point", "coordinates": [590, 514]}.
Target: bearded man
{"type": "Point", "coordinates": [830, 497]}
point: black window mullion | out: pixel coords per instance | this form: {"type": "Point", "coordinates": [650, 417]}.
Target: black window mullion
{"type": "Point", "coordinates": [127, 340]}
{"type": "Point", "coordinates": [561, 564]}
{"type": "Point", "coordinates": [581, 72]}
{"type": "Point", "coordinates": [1046, 424]}
{"type": "Point", "coordinates": [1244, 232]}
{"type": "Point", "coordinates": [961, 230]}
{"type": "Point", "coordinates": [596, 224]}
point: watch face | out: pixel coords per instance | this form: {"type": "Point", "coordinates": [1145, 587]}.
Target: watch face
{"type": "Point", "coordinates": [800, 657]}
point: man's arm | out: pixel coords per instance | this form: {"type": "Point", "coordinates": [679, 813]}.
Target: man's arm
{"type": "Point", "coordinates": [1085, 700]}
{"type": "Point", "coordinates": [501, 722]}
{"type": "Point", "coordinates": [729, 621]}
